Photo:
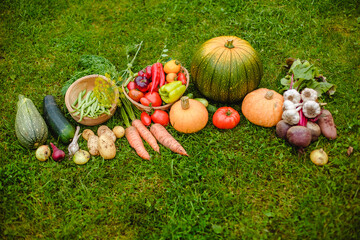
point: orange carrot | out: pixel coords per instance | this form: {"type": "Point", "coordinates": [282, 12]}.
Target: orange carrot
{"type": "Point", "coordinates": [165, 138]}
{"type": "Point", "coordinates": [146, 134]}
{"type": "Point", "coordinates": [135, 141]}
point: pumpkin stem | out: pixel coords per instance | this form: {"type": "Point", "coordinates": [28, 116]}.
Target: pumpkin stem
{"type": "Point", "coordinates": [185, 102]}
{"type": "Point", "coordinates": [269, 95]}
{"type": "Point", "coordinates": [229, 43]}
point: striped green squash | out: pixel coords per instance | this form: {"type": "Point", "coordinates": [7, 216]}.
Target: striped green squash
{"type": "Point", "coordinates": [30, 128]}
{"type": "Point", "coordinates": [226, 68]}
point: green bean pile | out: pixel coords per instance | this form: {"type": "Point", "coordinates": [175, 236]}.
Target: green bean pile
{"type": "Point", "coordinates": [89, 106]}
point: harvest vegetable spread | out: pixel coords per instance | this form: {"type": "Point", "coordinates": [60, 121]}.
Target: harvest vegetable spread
{"type": "Point", "coordinates": [154, 99]}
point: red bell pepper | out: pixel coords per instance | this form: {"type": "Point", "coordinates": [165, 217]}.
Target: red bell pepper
{"type": "Point", "coordinates": [181, 77]}
{"type": "Point", "coordinates": [148, 72]}
{"type": "Point", "coordinates": [151, 98]}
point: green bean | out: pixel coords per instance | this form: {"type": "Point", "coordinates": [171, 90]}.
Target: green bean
{"type": "Point", "coordinates": [93, 107]}
{"type": "Point", "coordinates": [81, 114]}
{"type": "Point", "coordinates": [81, 104]}
{"type": "Point", "coordinates": [78, 99]}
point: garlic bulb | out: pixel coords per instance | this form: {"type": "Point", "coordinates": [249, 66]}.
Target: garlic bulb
{"type": "Point", "coordinates": [288, 105]}
{"type": "Point", "coordinates": [309, 94]}
{"type": "Point", "coordinates": [292, 95]}
{"type": "Point", "coordinates": [74, 146]}
{"type": "Point", "coordinates": [291, 116]}
{"type": "Point", "coordinates": [311, 109]}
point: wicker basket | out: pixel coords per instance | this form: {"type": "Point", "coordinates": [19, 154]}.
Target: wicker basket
{"type": "Point", "coordinates": [163, 107]}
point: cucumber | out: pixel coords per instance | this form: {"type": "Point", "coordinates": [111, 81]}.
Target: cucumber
{"type": "Point", "coordinates": [59, 126]}
{"type": "Point", "coordinates": [203, 101]}
{"type": "Point", "coordinates": [211, 108]}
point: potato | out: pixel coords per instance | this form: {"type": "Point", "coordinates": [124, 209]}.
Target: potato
{"type": "Point", "coordinates": [299, 136]}
{"type": "Point", "coordinates": [101, 129]}
{"type": "Point", "coordinates": [87, 133]}
{"type": "Point", "coordinates": [110, 134]}
{"type": "Point", "coordinates": [92, 145]}
{"type": "Point", "coordinates": [119, 131]}
{"type": "Point", "coordinates": [106, 147]}
{"type": "Point", "coordinates": [327, 125]}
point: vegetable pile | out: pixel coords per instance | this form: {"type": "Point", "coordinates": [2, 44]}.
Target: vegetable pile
{"type": "Point", "coordinates": [303, 119]}
{"type": "Point", "coordinates": [298, 113]}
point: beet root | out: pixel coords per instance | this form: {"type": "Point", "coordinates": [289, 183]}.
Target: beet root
{"type": "Point", "coordinates": [299, 136]}
{"type": "Point", "coordinates": [281, 129]}
{"type": "Point", "coordinates": [315, 130]}
{"type": "Point", "coordinates": [327, 125]}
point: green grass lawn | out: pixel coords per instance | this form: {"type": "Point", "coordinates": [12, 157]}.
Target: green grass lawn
{"type": "Point", "coordinates": [243, 183]}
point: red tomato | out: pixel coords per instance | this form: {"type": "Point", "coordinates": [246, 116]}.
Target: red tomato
{"type": "Point", "coordinates": [151, 98]}
{"type": "Point", "coordinates": [135, 95]}
{"type": "Point", "coordinates": [131, 85]}
{"type": "Point", "coordinates": [161, 117]}
{"type": "Point", "coordinates": [145, 118]}
{"type": "Point", "coordinates": [226, 118]}
{"type": "Point", "coordinates": [181, 77]}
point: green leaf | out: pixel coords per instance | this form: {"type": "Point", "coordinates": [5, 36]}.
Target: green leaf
{"type": "Point", "coordinates": [269, 214]}
{"type": "Point", "coordinates": [285, 81]}
{"type": "Point", "coordinates": [217, 228]}
{"type": "Point", "coordinates": [301, 71]}
{"type": "Point", "coordinates": [307, 75]}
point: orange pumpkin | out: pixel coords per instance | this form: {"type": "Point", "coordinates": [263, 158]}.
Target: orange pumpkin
{"type": "Point", "coordinates": [263, 107]}
{"type": "Point", "coordinates": [188, 115]}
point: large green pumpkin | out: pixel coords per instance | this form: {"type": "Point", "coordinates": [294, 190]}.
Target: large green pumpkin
{"type": "Point", "coordinates": [226, 68]}
{"type": "Point", "coordinates": [30, 127]}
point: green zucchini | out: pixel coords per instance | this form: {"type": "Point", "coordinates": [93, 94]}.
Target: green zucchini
{"type": "Point", "coordinates": [30, 127]}
{"type": "Point", "coordinates": [59, 126]}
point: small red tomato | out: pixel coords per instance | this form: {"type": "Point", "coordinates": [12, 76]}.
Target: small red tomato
{"type": "Point", "coordinates": [226, 118]}
{"type": "Point", "coordinates": [145, 118]}
{"type": "Point", "coordinates": [161, 117]}
{"type": "Point", "coordinates": [131, 85]}
{"type": "Point", "coordinates": [135, 95]}
{"type": "Point", "coordinates": [181, 77]}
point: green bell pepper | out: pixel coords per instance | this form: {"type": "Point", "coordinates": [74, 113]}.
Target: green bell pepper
{"type": "Point", "coordinates": [171, 92]}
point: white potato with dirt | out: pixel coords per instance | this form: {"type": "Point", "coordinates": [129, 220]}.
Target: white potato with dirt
{"type": "Point", "coordinates": [87, 133]}
{"type": "Point", "coordinates": [119, 131]}
{"type": "Point", "coordinates": [106, 147]}
{"type": "Point", "coordinates": [93, 145]}
{"type": "Point", "coordinates": [102, 129]}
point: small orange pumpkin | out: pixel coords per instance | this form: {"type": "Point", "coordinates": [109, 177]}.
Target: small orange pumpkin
{"type": "Point", "coordinates": [188, 115]}
{"type": "Point", "coordinates": [263, 107]}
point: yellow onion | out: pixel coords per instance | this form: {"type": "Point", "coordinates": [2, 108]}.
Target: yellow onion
{"type": "Point", "coordinates": [319, 157]}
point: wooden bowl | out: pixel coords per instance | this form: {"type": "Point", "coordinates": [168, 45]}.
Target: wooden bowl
{"type": "Point", "coordinates": [163, 107]}
{"type": "Point", "coordinates": [88, 83]}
